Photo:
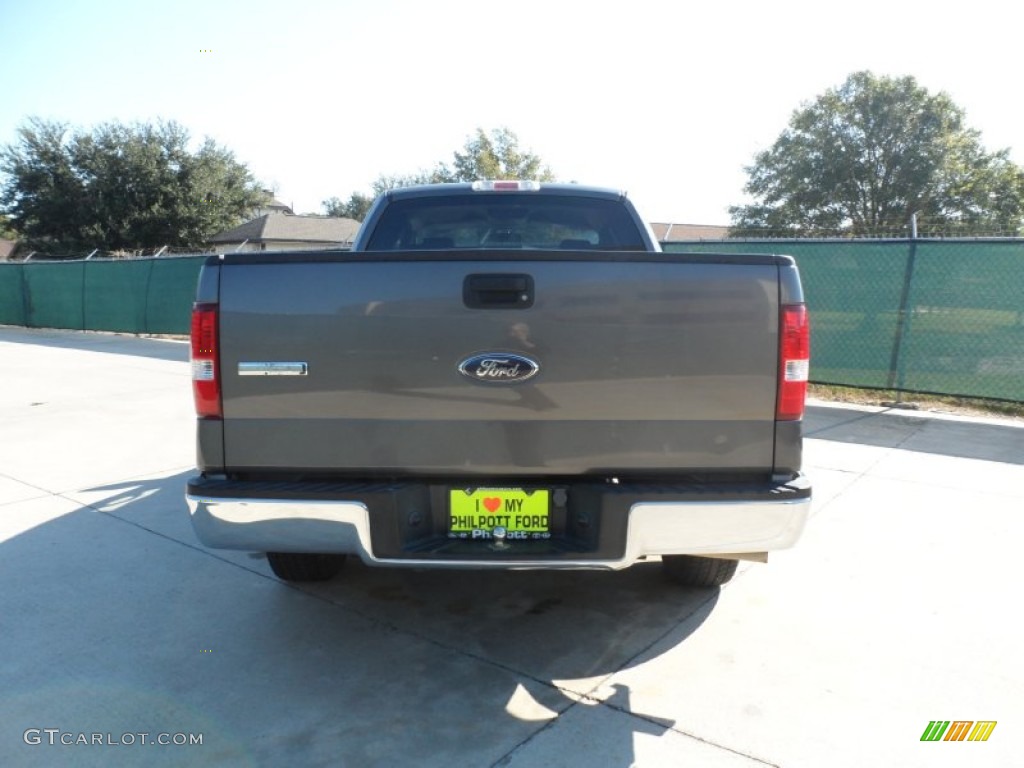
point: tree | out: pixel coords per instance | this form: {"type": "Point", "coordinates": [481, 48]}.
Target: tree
{"type": "Point", "coordinates": [864, 157]}
{"type": "Point", "coordinates": [356, 207]}
{"type": "Point", "coordinates": [121, 187]}
{"type": "Point", "coordinates": [6, 231]}
{"type": "Point", "coordinates": [483, 156]}
{"type": "Point", "coordinates": [495, 157]}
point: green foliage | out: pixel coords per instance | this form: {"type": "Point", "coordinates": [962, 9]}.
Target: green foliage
{"type": "Point", "coordinates": [6, 230]}
{"type": "Point", "coordinates": [384, 183]}
{"type": "Point", "coordinates": [483, 156]}
{"type": "Point", "coordinates": [355, 207]}
{"type": "Point", "coordinates": [494, 157]}
{"type": "Point", "coordinates": [121, 187]}
{"type": "Point", "coordinates": [862, 158]}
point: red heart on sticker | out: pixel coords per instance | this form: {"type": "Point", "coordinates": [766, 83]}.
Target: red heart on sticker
{"type": "Point", "coordinates": [492, 504]}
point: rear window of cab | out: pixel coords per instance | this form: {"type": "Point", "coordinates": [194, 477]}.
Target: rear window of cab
{"type": "Point", "coordinates": [531, 220]}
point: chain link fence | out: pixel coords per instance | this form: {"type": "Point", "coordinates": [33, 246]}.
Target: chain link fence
{"type": "Point", "coordinates": [934, 316]}
{"type": "Point", "coordinates": [931, 316]}
{"type": "Point", "coordinates": [148, 295]}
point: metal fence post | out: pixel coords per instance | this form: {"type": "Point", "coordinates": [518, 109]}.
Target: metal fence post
{"type": "Point", "coordinates": [149, 284]}
{"type": "Point", "coordinates": [26, 303]}
{"type": "Point", "coordinates": [85, 280]}
{"type": "Point", "coordinates": [897, 369]}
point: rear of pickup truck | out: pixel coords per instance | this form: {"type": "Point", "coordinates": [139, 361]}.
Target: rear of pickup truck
{"type": "Point", "coordinates": [424, 402]}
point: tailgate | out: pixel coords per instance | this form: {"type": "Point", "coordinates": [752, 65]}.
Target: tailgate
{"type": "Point", "coordinates": [646, 363]}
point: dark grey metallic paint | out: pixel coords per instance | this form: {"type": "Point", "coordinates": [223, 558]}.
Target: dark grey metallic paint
{"type": "Point", "coordinates": [645, 366]}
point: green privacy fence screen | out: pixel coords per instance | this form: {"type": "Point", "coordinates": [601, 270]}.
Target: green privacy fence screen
{"type": "Point", "coordinates": [937, 316]}
{"type": "Point", "coordinates": [942, 316]}
{"type": "Point", "coordinates": [130, 295]}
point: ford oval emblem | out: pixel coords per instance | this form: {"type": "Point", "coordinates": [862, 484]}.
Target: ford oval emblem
{"type": "Point", "coordinates": [499, 368]}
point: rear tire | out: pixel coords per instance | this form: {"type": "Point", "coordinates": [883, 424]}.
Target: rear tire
{"type": "Point", "coordinates": [293, 566]}
{"type": "Point", "coordinates": [692, 571]}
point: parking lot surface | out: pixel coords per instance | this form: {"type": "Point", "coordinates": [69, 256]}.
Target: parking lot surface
{"type": "Point", "coordinates": [124, 641]}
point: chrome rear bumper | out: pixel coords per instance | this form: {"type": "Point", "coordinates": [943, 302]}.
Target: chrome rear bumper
{"type": "Point", "coordinates": [654, 528]}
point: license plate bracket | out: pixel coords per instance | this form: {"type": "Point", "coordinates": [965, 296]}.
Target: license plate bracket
{"type": "Point", "coordinates": [499, 513]}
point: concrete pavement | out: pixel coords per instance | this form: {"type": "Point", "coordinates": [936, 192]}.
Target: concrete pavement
{"type": "Point", "coordinates": [896, 609]}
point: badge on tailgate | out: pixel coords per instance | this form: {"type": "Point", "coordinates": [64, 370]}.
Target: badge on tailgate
{"type": "Point", "coordinates": [486, 513]}
{"type": "Point", "coordinates": [499, 368]}
{"type": "Point", "coordinates": [247, 368]}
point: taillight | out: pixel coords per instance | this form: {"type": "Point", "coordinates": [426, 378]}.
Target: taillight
{"type": "Point", "coordinates": [794, 362]}
{"type": "Point", "coordinates": [205, 361]}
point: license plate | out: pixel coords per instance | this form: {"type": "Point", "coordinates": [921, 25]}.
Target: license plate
{"type": "Point", "coordinates": [512, 513]}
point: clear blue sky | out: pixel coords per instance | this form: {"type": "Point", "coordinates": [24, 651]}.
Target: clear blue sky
{"type": "Point", "coordinates": [668, 100]}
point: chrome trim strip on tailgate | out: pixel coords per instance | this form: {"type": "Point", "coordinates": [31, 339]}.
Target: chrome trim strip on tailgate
{"type": "Point", "coordinates": [273, 369]}
{"type": "Point", "coordinates": [655, 528]}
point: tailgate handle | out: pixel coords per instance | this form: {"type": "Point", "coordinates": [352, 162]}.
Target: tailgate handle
{"type": "Point", "coordinates": [498, 291]}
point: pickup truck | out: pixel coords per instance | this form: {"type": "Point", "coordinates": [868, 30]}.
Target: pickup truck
{"type": "Point", "coordinates": [500, 375]}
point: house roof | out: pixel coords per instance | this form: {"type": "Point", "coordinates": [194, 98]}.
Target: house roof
{"type": "Point", "coordinates": [270, 204]}
{"type": "Point", "coordinates": [273, 206]}
{"type": "Point", "coordinates": [667, 233]}
{"type": "Point", "coordinates": [278, 227]}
